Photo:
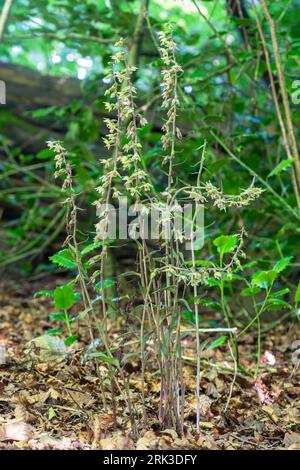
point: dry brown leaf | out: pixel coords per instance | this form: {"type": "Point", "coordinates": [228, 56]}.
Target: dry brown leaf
{"type": "Point", "coordinates": [270, 412]}
{"type": "Point", "coordinates": [116, 442]}
{"type": "Point", "coordinates": [205, 404]}
{"type": "Point", "coordinates": [148, 441]}
{"type": "Point", "coordinates": [268, 358]}
{"type": "Point", "coordinates": [14, 432]}
{"type": "Point", "coordinates": [292, 440]}
{"type": "Point", "coordinates": [262, 392]}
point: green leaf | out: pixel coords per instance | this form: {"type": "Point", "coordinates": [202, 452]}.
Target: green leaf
{"type": "Point", "coordinates": [212, 282]}
{"type": "Point", "coordinates": [57, 316]}
{"type": "Point", "coordinates": [51, 413]}
{"type": "Point", "coordinates": [250, 291]}
{"type": "Point", "coordinates": [282, 264]}
{"type": "Point", "coordinates": [283, 165]}
{"type": "Point", "coordinates": [104, 358]}
{"type": "Point", "coordinates": [264, 279]}
{"type": "Point", "coordinates": [208, 303]}
{"type": "Point", "coordinates": [217, 342]}
{"type": "Point", "coordinates": [47, 293]}
{"type": "Point", "coordinates": [42, 112]}
{"type": "Point", "coordinates": [297, 295]}
{"type": "Point", "coordinates": [71, 339]}
{"type": "Point", "coordinates": [275, 304]}
{"type": "Point", "coordinates": [199, 263]}
{"type": "Point", "coordinates": [64, 258]}
{"type": "Point", "coordinates": [188, 315]}
{"type": "Point", "coordinates": [54, 331]}
{"type": "Point", "coordinates": [281, 292]}
{"type": "Point", "coordinates": [226, 243]}
{"type": "Point", "coordinates": [91, 247]}
{"type": "Point", "coordinates": [64, 297]}
{"type": "Point", "coordinates": [45, 154]}
{"type": "Point", "coordinates": [107, 283]}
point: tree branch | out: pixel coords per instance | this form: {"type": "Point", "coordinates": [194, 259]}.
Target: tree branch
{"type": "Point", "coordinates": [138, 35]}
{"type": "Point", "coordinates": [4, 16]}
{"type": "Point", "coordinates": [58, 37]}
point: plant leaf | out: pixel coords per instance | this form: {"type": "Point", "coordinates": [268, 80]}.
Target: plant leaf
{"type": "Point", "coordinates": [64, 258]}
{"type": "Point", "coordinates": [283, 165]}
{"type": "Point", "coordinates": [52, 347]}
{"type": "Point", "coordinates": [281, 292]}
{"type": "Point", "coordinates": [249, 291]}
{"type": "Point", "coordinates": [297, 295]}
{"type": "Point", "coordinates": [275, 304]}
{"type": "Point", "coordinates": [71, 339]}
{"type": "Point", "coordinates": [107, 283]}
{"type": "Point", "coordinates": [104, 358]}
{"type": "Point", "coordinates": [226, 243]}
{"type": "Point", "coordinates": [217, 342]}
{"type": "Point", "coordinates": [264, 279]}
{"type": "Point", "coordinates": [64, 297]}
{"type": "Point", "coordinates": [51, 413]}
{"type": "Point", "coordinates": [47, 293]}
{"type": "Point", "coordinates": [57, 316]}
{"type": "Point", "coordinates": [91, 247]}
{"type": "Point", "coordinates": [282, 264]}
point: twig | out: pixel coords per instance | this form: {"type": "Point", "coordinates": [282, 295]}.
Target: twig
{"type": "Point", "coordinates": [58, 37]}
{"type": "Point", "coordinates": [211, 330]}
{"type": "Point", "coordinates": [284, 94]}
{"type": "Point", "coordinates": [276, 101]}
{"type": "Point", "coordinates": [233, 380]}
{"type": "Point", "coordinates": [253, 173]}
{"type": "Point", "coordinates": [4, 16]}
{"type": "Point", "coordinates": [138, 34]}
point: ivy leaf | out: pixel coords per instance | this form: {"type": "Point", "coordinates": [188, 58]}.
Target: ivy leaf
{"type": "Point", "coordinates": [226, 243]}
{"type": "Point", "coordinates": [64, 258]}
{"type": "Point", "coordinates": [64, 297]}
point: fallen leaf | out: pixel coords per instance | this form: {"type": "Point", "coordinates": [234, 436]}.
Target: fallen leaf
{"type": "Point", "coordinates": [292, 440]}
{"type": "Point", "coordinates": [270, 412]}
{"type": "Point", "coordinates": [262, 392]}
{"type": "Point", "coordinates": [116, 442]}
{"type": "Point", "coordinates": [14, 432]}
{"type": "Point", "coordinates": [268, 358]}
{"type": "Point", "coordinates": [148, 441]}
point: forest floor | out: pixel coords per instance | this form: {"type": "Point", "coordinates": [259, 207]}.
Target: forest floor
{"type": "Point", "coordinates": [47, 404]}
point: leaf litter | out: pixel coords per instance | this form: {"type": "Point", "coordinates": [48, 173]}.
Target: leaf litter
{"type": "Point", "coordinates": [49, 399]}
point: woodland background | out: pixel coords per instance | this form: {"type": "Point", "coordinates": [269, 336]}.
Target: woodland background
{"type": "Point", "coordinates": [238, 93]}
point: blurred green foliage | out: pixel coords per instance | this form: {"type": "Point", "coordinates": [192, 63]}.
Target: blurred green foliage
{"type": "Point", "coordinates": [223, 93]}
